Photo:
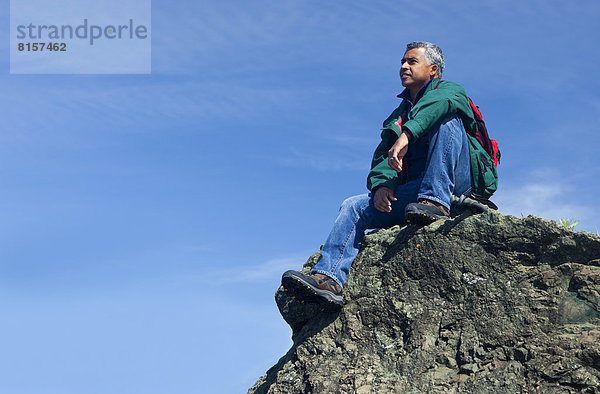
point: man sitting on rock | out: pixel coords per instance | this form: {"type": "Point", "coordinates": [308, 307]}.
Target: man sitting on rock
{"type": "Point", "coordinates": [423, 159]}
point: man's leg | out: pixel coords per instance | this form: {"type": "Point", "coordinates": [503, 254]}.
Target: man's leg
{"type": "Point", "coordinates": [356, 215]}
{"type": "Point", "coordinates": [345, 238]}
{"type": "Point", "coordinates": [447, 172]}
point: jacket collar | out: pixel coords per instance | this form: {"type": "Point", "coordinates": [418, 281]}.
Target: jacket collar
{"type": "Point", "coordinates": [428, 86]}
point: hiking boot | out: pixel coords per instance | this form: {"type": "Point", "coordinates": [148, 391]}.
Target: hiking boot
{"type": "Point", "coordinates": [425, 212]}
{"type": "Point", "coordinates": [474, 202]}
{"type": "Point", "coordinates": [313, 285]}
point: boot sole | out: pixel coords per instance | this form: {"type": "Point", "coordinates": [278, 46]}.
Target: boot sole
{"type": "Point", "coordinates": [299, 286]}
{"type": "Point", "coordinates": [416, 216]}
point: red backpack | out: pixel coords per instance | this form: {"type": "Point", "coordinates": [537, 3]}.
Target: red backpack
{"type": "Point", "coordinates": [481, 134]}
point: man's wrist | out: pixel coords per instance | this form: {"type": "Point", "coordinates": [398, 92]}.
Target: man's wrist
{"type": "Point", "coordinates": [376, 188]}
{"type": "Point", "coordinates": [407, 132]}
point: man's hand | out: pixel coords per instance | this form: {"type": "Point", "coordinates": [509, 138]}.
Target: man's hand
{"type": "Point", "coordinates": [383, 199]}
{"type": "Point", "coordinates": [397, 152]}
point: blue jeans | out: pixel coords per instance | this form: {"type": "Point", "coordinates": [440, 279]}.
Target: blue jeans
{"type": "Point", "coordinates": [436, 170]}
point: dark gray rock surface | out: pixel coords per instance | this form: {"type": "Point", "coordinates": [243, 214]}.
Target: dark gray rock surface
{"type": "Point", "coordinates": [477, 304]}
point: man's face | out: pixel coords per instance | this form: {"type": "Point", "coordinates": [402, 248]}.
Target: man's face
{"type": "Point", "coordinates": [415, 72]}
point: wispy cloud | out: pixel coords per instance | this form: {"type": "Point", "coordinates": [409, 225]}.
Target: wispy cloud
{"type": "Point", "coordinates": [141, 107]}
{"type": "Point", "coordinates": [269, 269]}
{"type": "Point", "coordinates": [326, 161]}
{"type": "Point", "coordinates": [266, 271]}
{"type": "Point", "coordinates": [328, 148]}
{"type": "Point", "coordinates": [286, 33]}
{"type": "Point", "coordinates": [544, 194]}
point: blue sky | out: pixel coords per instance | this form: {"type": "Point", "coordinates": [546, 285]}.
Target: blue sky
{"type": "Point", "coordinates": [146, 219]}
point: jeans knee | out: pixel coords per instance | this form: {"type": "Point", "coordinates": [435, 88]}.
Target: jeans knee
{"type": "Point", "coordinates": [452, 122]}
{"type": "Point", "coordinates": [354, 204]}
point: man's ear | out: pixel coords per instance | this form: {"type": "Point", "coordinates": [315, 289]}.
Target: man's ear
{"type": "Point", "coordinates": [434, 71]}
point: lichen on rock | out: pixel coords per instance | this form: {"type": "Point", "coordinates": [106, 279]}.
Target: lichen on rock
{"type": "Point", "coordinates": [474, 304]}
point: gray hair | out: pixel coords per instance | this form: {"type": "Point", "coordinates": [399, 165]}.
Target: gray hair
{"type": "Point", "coordinates": [433, 54]}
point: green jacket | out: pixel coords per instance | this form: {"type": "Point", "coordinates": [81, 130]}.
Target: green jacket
{"type": "Point", "coordinates": [439, 100]}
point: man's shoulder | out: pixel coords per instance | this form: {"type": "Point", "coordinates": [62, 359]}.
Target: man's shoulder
{"type": "Point", "coordinates": [446, 85]}
{"type": "Point", "coordinates": [444, 90]}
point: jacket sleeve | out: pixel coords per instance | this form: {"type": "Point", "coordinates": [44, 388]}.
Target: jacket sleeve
{"type": "Point", "coordinates": [381, 173]}
{"type": "Point", "coordinates": [447, 99]}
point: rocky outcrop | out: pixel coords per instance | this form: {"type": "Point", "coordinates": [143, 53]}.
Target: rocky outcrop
{"type": "Point", "coordinates": [476, 304]}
